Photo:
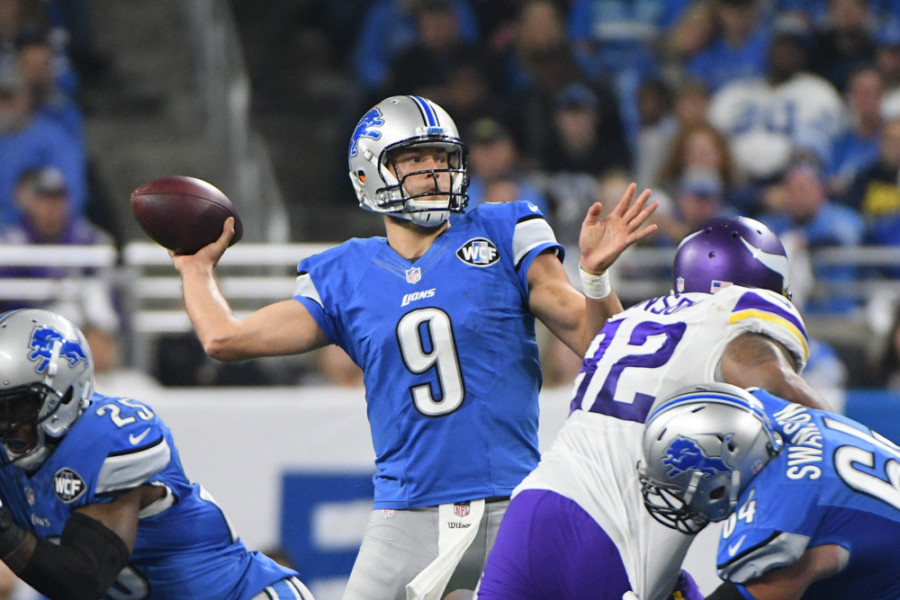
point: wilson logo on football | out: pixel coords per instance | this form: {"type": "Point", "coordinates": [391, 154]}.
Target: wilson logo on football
{"type": "Point", "coordinates": [479, 252]}
{"type": "Point", "coordinates": [68, 484]}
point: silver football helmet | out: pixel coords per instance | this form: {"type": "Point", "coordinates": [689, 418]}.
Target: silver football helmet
{"type": "Point", "coordinates": [46, 381]}
{"type": "Point", "coordinates": [701, 448]}
{"type": "Point", "coordinates": [403, 122]}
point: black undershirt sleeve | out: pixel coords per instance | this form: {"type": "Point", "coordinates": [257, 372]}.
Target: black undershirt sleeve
{"type": "Point", "coordinates": [84, 565]}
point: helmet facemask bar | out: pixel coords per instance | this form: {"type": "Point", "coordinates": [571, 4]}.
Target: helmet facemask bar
{"type": "Point", "coordinates": [666, 505]}
{"type": "Point", "coordinates": [28, 405]}
{"type": "Point", "coordinates": [429, 208]}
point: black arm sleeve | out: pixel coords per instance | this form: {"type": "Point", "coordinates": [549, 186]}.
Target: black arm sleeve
{"type": "Point", "coordinates": [726, 591]}
{"type": "Point", "coordinates": [84, 564]}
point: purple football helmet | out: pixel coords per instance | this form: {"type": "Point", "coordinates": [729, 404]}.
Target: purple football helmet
{"type": "Point", "coordinates": [731, 251]}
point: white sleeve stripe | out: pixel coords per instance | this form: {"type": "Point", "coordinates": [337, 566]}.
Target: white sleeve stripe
{"type": "Point", "coordinates": [307, 289]}
{"type": "Point", "coordinates": [779, 550]}
{"type": "Point", "coordinates": [125, 471]}
{"type": "Point", "coordinates": [529, 234]}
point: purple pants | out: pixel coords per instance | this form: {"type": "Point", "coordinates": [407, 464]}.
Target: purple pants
{"type": "Point", "coordinates": [549, 547]}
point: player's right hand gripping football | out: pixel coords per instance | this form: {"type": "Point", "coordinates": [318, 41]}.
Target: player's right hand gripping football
{"type": "Point", "coordinates": [603, 240]}
{"type": "Point", "coordinates": [208, 256]}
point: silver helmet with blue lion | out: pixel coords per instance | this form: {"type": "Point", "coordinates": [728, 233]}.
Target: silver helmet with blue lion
{"type": "Point", "coordinates": [46, 381]}
{"type": "Point", "coordinates": [701, 448]}
{"type": "Point", "coordinates": [401, 123]}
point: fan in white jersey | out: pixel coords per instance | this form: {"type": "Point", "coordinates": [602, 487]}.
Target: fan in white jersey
{"type": "Point", "coordinates": [765, 117]}
{"type": "Point", "coordinates": [576, 528]}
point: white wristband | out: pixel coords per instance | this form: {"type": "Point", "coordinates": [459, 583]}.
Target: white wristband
{"type": "Point", "coordinates": [596, 287]}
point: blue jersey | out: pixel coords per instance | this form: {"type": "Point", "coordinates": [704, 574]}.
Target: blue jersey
{"type": "Point", "coordinates": [835, 482]}
{"type": "Point", "coordinates": [185, 547]}
{"type": "Point", "coordinates": [447, 345]}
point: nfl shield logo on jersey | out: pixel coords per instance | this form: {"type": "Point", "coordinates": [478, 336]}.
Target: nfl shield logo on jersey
{"type": "Point", "coordinates": [68, 484]}
{"type": "Point", "coordinates": [479, 252]}
{"type": "Point", "coordinates": [413, 275]}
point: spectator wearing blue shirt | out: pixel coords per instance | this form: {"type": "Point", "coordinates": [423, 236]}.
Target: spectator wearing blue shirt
{"type": "Point", "coordinates": [38, 66]}
{"type": "Point", "coordinates": [802, 209]}
{"type": "Point", "coordinates": [739, 49]}
{"type": "Point", "coordinates": [29, 140]}
{"type": "Point", "coordinates": [857, 146]}
{"type": "Point", "coordinates": [495, 168]}
{"type": "Point", "coordinates": [389, 28]}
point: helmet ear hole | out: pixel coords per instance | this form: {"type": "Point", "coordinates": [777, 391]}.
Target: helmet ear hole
{"type": "Point", "coordinates": [67, 397]}
{"type": "Point", "coordinates": [717, 493]}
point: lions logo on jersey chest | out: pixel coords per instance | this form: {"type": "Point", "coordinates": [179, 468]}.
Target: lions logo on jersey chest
{"type": "Point", "coordinates": [478, 252]}
{"type": "Point", "coordinates": [68, 485]}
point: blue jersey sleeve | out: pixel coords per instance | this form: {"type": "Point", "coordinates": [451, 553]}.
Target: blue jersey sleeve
{"type": "Point", "coordinates": [324, 279]}
{"type": "Point", "coordinates": [528, 232]}
{"type": "Point", "coordinates": [119, 445]}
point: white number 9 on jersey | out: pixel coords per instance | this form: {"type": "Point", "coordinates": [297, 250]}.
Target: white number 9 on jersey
{"type": "Point", "coordinates": [426, 342]}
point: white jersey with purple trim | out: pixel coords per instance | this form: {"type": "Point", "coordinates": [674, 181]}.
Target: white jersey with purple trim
{"type": "Point", "coordinates": [447, 344]}
{"type": "Point", "coordinates": [650, 350]}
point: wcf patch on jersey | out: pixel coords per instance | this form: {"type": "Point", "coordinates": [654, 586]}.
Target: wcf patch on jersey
{"type": "Point", "coordinates": [68, 484]}
{"type": "Point", "coordinates": [478, 252]}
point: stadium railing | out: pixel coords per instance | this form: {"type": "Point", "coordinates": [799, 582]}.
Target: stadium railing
{"type": "Point", "coordinates": [254, 274]}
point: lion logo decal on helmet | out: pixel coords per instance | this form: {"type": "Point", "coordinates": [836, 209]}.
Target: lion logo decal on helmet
{"type": "Point", "coordinates": [42, 341]}
{"type": "Point", "coordinates": [367, 127]}
{"type": "Point", "coordinates": [684, 454]}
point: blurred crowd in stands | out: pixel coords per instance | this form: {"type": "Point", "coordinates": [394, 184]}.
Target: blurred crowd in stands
{"type": "Point", "coordinates": [783, 110]}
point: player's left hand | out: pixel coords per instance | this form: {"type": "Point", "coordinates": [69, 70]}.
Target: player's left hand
{"type": "Point", "coordinates": [603, 240]}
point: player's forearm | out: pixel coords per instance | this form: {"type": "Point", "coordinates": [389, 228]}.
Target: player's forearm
{"type": "Point", "coordinates": [209, 311]}
{"type": "Point", "coordinates": [83, 565]}
{"type": "Point", "coordinates": [597, 313]}
{"type": "Point", "coordinates": [16, 544]}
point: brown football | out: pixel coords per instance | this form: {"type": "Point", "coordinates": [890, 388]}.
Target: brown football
{"type": "Point", "coordinates": [183, 213]}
